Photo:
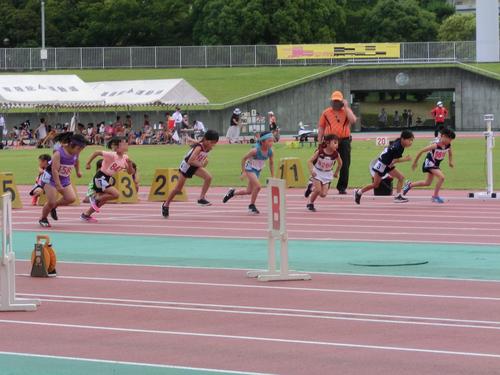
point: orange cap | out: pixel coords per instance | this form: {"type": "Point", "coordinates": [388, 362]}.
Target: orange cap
{"type": "Point", "coordinates": [337, 95]}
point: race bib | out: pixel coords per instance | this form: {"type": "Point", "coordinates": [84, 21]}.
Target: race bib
{"type": "Point", "coordinates": [380, 167]}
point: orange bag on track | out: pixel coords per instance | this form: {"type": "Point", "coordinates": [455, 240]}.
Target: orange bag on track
{"type": "Point", "coordinates": [43, 258]}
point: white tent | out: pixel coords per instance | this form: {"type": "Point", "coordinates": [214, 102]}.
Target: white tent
{"type": "Point", "coordinates": [46, 91]}
{"type": "Point", "coordinates": [148, 92]}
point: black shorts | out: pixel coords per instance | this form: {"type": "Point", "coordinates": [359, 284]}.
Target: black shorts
{"type": "Point", "coordinates": [101, 182]}
{"type": "Point", "coordinates": [386, 170]}
{"type": "Point", "coordinates": [428, 165]}
{"type": "Point", "coordinates": [189, 173]}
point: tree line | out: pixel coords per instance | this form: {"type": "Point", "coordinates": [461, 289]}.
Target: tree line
{"type": "Point", "coordinates": [82, 23]}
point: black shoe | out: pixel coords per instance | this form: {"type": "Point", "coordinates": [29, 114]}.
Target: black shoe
{"type": "Point", "coordinates": [253, 210]}
{"type": "Point", "coordinates": [357, 196]}
{"type": "Point", "coordinates": [400, 199]}
{"type": "Point", "coordinates": [164, 210]}
{"type": "Point", "coordinates": [228, 195]}
{"type": "Point", "coordinates": [204, 202]}
{"type": "Point", "coordinates": [44, 223]}
{"type": "Point", "coordinates": [53, 214]}
{"type": "Point", "coordinates": [309, 190]}
{"type": "Point", "coordinates": [342, 192]}
{"type": "Point", "coordinates": [52, 273]}
{"type": "Point", "coordinates": [310, 207]}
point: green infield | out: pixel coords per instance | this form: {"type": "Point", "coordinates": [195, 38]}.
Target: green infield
{"type": "Point", "coordinates": [225, 160]}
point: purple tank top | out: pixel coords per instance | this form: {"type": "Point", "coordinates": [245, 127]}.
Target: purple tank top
{"type": "Point", "coordinates": [66, 166]}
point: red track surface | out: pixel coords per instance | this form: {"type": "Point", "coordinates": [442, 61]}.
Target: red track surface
{"type": "Point", "coordinates": [220, 319]}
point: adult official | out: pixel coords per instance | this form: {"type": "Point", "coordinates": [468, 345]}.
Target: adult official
{"type": "Point", "coordinates": [337, 119]}
{"type": "Point", "coordinates": [439, 113]}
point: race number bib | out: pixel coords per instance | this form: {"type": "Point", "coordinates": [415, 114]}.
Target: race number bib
{"type": "Point", "coordinates": [380, 167]}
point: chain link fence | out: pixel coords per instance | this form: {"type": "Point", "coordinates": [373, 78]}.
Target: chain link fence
{"type": "Point", "coordinates": [26, 59]}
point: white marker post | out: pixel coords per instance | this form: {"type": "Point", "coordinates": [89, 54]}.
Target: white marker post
{"type": "Point", "coordinates": [490, 144]}
{"type": "Point", "coordinates": [8, 300]}
{"type": "Point", "coordinates": [277, 232]}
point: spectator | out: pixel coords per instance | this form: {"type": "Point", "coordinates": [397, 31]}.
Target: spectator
{"type": "Point", "coordinates": [109, 132]}
{"type": "Point", "coordinates": [147, 133]}
{"type": "Point", "coordinates": [410, 118]}
{"type": "Point", "coordinates": [273, 126]}
{"type": "Point", "coordinates": [382, 118]}
{"type": "Point", "coordinates": [90, 133]}
{"type": "Point", "coordinates": [73, 123]}
{"type": "Point", "coordinates": [41, 132]}
{"type": "Point", "coordinates": [233, 133]}
{"type": "Point", "coordinates": [405, 118]}
{"type": "Point", "coordinates": [119, 128]}
{"type": "Point", "coordinates": [439, 114]}
{"type": "Point", "coordinates": [177, 117]}
{"type": "Point", "coordinates": [337, 119]}
{"type": "Point", "coordinates": [199, 129]}
{"type": "Point", "coordinates": [2, 129]}
{"type": "Point", "coordinates": [396, 119]}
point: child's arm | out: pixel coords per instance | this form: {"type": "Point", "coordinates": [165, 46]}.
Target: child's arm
{"type": "Point", "coordinates": [56, 164]}
{"type": "Point", "coordinates": [310, 164]}
{"type": "Point", "coordinates": [77, 168]}
{"type": "Point", "coordinates": [425, 149]}
{"type": "Point", "coordinates": [92, 157]}
{"type": "Point", "coordinates": [248, 156]}
{"type": "Point", "coordinates": [401, 160]}
{"type": "Point", "coordinates": [339, 166]}
{"type": "Point", "coordinates": [130, 167]}
{"type": "Point", "coordinates": [193, 159]}
{"type": "Point", "coordinates": [271, 166]}
{"type": "Point", "coordinates": [450, 159]}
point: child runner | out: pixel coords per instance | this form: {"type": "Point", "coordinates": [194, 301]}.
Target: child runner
{"type": "Point", "coordinates": [57, 176]}
{"type": "Point", "coordinates": [385, 165]}
{"type": "Point", "coordinates": [37, 190]}
{"type": "Point", "coordinates": [112, 162]}
{"type": "Point", "coordinates": [321, 169]}
{"type": "Point", "coordinates": [194, 163]}
{"type": "Point", "coordinates": [251, 166]}
{"type": "Point", "coordinates": [436, 153]}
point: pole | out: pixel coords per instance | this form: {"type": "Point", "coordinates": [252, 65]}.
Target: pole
{"type": "Point", "coordinates": [42, 53]}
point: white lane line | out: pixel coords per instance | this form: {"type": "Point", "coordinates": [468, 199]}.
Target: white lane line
{"type": "Point", "coordinates": [124, 363]}
{"type": "Point", "coordinates": [252, 338]}
{"type": "Point", "coordinates": [272, 311]}
{"type": "Point", "coordinates": [247, 286]}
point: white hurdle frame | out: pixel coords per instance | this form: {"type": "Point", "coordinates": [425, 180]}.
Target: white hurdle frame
{"type": "Point", "coordinates": [8, 300]}
{"type": "Point", "coordinates": [490, 145]}
{"type": "Point", "coordinates": [276, 205]}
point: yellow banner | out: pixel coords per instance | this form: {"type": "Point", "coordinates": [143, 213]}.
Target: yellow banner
{"type": "Point", "coordinates": [338, 51]}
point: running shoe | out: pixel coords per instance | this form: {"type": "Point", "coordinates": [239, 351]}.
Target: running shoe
{"type": "Point", "coordinates": [87, 218]}
{"type": "Point", "coordinates": [94, 203]}
{"type": "Point", "coordinates": [309, 190]}
{"type": "Point", "coordinates": [406, 187]}
{"type": "Point", "coordinates": [204, 202]}
{"type": "Point", "coordinates": [400, 199]}
{"type": "Point", "coordinates": [228, 195]}
{"type": "Point", "coordinates": [164, 210]}
{"type": "Point", "coordinates": [310, 207]}
{"type": "Point", "coordinates": [52, 273]}
{"type": "Point", "coordinates": [53, 214]}
{"type": "Point", "coordinates": [44, 223]}
{"type": "Point", "coordinates": [357, 196]}
{"type": "Point", "coordinates": [252, 210]}
{"type": "Point", "coordinates": [437, 200]}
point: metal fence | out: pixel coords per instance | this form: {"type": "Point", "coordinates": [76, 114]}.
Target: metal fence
{"type": "Point", "coordinates": [211, 56]}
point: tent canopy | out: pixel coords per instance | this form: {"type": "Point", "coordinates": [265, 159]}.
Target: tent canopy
{"type": "Point", "coordinates": [46, 90]}
{"type": "Point", "coordinates": [148, 92]}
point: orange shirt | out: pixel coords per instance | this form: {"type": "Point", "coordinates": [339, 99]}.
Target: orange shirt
{"type": "Point", "coordinates": [335, 122]}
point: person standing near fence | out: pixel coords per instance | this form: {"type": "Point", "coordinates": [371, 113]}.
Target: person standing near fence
{"type": "Point", "coordinates": [233, 132]}
{"type": "Point", "coordinates": [338, 119]}
{"type": "Point", "coordinates": [2, 128]}
{"type": "Point", "coordinates": [439, 114]}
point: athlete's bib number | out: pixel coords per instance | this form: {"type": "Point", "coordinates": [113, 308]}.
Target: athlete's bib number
{"type": "Point", "coordinates": [380, 167]}
{"type": "Point", "coordinates": [184, 166]}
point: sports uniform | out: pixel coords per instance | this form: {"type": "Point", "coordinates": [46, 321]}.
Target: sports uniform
{"type": "Point", "coordinates": [385, 159]}
{"type": "Point", "coordinates": [188, 170]}
{"type": "Point", "coordinates": [434, 157]}
{"type": "Point", "coordinates": [67, 163]}
{"type": "Point", "coordinates": [256, 163]}
{"type": "Point", "coordinates": [323, 166]}
{"type": "Point", "coordinates": [111, 164]}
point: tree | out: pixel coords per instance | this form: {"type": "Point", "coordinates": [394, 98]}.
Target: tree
{"type": "Point", "coordinates": [458, 27]}
{"type": "Point", "coordinates": [400, 21]}
{"type": "Point", "coordinates": [441, 8]}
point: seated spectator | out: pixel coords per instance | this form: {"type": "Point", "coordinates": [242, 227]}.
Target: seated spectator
{"type": "Point", "coordinates": [119, 128]}
{"type": "Point", "coordinates": [199, 129]}
{"type": "Point", "coordinates": [147, 133]}
{"type": "Point", "coordinates": [49, 139]}
{"type": "Point", "coordinates": [90, 133]}
{"type": "Point", "coordinates": [109, 132]}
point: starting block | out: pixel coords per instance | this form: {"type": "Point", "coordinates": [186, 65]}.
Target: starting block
{"type": "Point", "coordinates": [164, 181]}
{"type": "Point", "coordinates": [42, 199]}
{"type": "Point", "coordinates": [125, 185]}
{"type": "Point", "coordinates": [277, 232]}
{"type": "Point", "coordinates": [8, 185]}
{"type": "Point", "coordinates": [43, 258]}
{"type": "Point", "coordinates": [8, 298]}
{"type": "Point", "coordinates": [291, 172]}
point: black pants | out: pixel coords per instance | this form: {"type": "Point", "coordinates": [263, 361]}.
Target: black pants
{"type": "Point", "coordinates": [439, 126]}
{"type": "Point", "coordinates": [345, 154]}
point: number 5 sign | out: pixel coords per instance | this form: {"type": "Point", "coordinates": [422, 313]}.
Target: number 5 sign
{"type": "Point", "coordinates": [8, 185]}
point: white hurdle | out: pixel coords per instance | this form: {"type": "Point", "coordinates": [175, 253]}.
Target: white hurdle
{"type": "Point", "coordinates": [276, 203]}
{"type": "Point", "coordinates": [8, 300]}
{"type": "Point", "coordinates": [490, 145]}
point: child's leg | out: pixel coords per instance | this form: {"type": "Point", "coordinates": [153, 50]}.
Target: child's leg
{"type": "Point", "coordinates": [426, 182]}
{"type": "Point", "coordinates": [207, 180]}
{"type": "Point", "coordinates": [324, 190]}
{"type": "Point", "coordinates": [254, 185]}
{"type": "Point", "coordinates": [375, 184]}
{"type": "Point", "coordinates": [68, 196]}
{"type": "Point", "coordinates": [37, 192]}
{"type": "Point", "coordinates": [177, 189]}
{"type": "Point", "coordinates": [317, 190]}
{"type": "Point", "coordinates": [397, 174]}
{"type": "Point", "coordinates": [440, 180]}
{"type": "Point", "coordinates": [108, 194]}
{"type": "Point", "coordinates": [51, 195]}
{"type": "Point", "coordinates": [249, 187]}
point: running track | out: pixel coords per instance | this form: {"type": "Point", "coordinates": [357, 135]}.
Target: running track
{"type": "Point", "coordinates": [218, 319]}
